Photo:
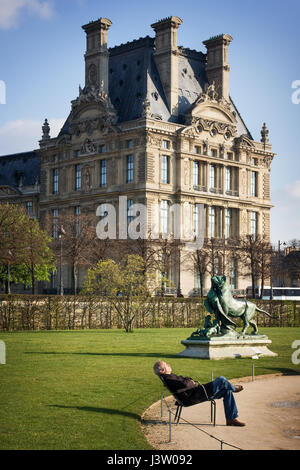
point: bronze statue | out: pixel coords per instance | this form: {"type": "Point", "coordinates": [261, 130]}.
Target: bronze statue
{"type": "Point", "coordinates": [223, 306]}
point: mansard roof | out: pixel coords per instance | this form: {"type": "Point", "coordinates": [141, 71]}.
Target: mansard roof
{"type": "Point", "coordinates": [134, 78]}
{"type": "Point", "coordinates": [19, 168]}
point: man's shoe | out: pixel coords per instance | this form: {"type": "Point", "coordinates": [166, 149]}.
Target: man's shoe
{"type": "Point", "coordinates": [238, 388]}
{"type": "Point", "coordinates": [235, 422]}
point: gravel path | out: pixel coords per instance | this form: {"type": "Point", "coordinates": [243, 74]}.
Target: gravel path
{"type": "Point", "coordinates": [270, 407]}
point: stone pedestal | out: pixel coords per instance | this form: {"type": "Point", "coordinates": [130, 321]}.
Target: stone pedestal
{"type": "Point", "coordinates": [223, 348]}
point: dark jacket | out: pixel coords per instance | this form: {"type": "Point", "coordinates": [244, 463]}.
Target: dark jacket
{"type": "Point", "coordinates": [195, 395]}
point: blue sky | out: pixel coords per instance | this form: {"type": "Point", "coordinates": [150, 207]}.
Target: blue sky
{"type": "Point", "coordinates": [42, 47]}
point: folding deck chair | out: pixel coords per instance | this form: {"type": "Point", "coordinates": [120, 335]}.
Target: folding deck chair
{"type": "Point", "coordinates": [183, 404]}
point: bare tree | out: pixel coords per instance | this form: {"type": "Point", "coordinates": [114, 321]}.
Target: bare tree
{"type": "Point", "coordinates": [256, 257]}
{"type": "Point", "coordinates": [146, 248]}
{"type": "Point", "coordinates": [200, 258]}
{"type": "Point", "coordinates": [79, 245]}
{"type": "Point", "coordinates": [166, 252]}
{"type": "Point", "coordinates": [216, 249]}
{"type": "Point", "coordinates": [291, 262]}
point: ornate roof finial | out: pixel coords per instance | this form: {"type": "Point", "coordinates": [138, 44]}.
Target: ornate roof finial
{"type": "Point", "coordinates": [46, 130]}
{"type": "Point", "coordinates": [146, 106]}
{"type": "Point", "coordinates": [264, 134]}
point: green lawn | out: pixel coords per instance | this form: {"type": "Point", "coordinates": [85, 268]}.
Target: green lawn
{"type": "Point", "coordinates": [87, 389]}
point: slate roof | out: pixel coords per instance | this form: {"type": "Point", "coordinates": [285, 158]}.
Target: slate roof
{"type": "Point", "coordinates": [25, 165]}
{"type": "Point", "coordinates": [133, 76]}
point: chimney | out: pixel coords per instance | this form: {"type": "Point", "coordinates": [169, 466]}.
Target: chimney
{"type": "Point", "coordinates": [97, 55]}
{"type": "Point", "coordinates": [166, 58]}
{"type": "Point", "coordinates": [217, 67]}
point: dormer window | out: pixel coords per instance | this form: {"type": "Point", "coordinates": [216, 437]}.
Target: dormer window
{"type": "Point", "coordinates": [214, 153]}
{"type": "Point", "coordinates": [165, 144]}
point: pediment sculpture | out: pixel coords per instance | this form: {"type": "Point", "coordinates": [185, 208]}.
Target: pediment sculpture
{"type": "Point", "coordinates": [94, 94]}
{"type": "Point", "coordinates": [88, 147]}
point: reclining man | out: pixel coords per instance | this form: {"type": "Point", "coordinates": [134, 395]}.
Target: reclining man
{"type": "Point", "coordinates": [193, 393]}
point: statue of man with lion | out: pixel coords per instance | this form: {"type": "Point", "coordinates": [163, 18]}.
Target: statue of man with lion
{"type": "Point", "coordinates": [224, 306]}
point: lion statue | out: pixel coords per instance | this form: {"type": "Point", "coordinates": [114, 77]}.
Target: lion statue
{"type": "Point", "coordinates": [221, 303]}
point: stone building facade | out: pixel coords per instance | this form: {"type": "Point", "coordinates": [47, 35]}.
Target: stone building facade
{"type": "Point", "coordinates": [154, 123]}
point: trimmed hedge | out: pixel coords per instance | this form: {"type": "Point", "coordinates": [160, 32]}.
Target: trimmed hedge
{"type": "Point", "coordinates": [27, 312]}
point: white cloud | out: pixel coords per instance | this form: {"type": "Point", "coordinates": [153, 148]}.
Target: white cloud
{"type": "Point", "coordinates": [11, 10]}
{"type": "Point", "coordinates": [294, 189]}
{"type": "Point", "coordinates": [24, 134]}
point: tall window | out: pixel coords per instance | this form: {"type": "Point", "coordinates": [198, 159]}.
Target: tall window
{"type": "Point", "coordinates": [253, 183]}
{"type": "Point", "coordinates": [212, 176]}
{"type": "Point", "coordinates": [53, 280]}
{"type": "Point", "coordinates": [77, 212]}
{"type": "Point", "coordinates": [165, 169]}
{"type": "Point", "coordinates": [129, 169]}
{"type": "Point", "coordinates": [198, 279]}
{"type": "Point", "coordinates": [55, 180]}
{"type": "Point", "coordinates": [165, 216]}
{"type": "Point", "coordinates": [196, 173]}
{"type": "Point", "coordinates": [228, 178]}
{"type": "Point", "coordinates": [212, 221]}
{"type": "Point", "coordinates": [217, 266]}
{"type": "Point", "coordinates": [165, 144]}
{"type": "Point", "coordinates": [29, 208]}
{"type": "Point", "coordinates": [103, 173]}
{"type": "Point", "coordinates": [196, 219]}
{"type": "Point", "coordinates": [228, 223]}
{"type": "Point", "coordinates": [253, 223]}
{"type": "Point", "coordinates": [55, 223]}
{"type": "Point", "coordinates": [233, 274]}
{"type": "Point", "coordinates": [77, 177]}
{"type": "Point", "coordinates": [130, 214]}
